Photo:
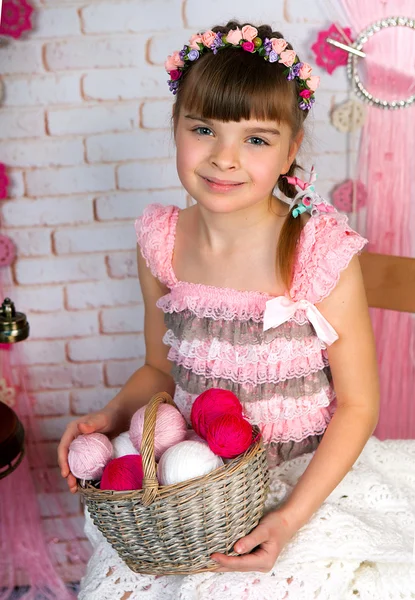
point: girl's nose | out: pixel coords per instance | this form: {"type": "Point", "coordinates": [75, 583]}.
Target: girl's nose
{"type": "Point", "coordinates": [225, 156]}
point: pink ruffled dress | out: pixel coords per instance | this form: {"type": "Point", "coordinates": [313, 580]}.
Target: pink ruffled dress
{"type": "Point", "coordinates": [270, 351]}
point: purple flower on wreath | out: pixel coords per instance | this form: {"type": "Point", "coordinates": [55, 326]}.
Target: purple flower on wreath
{"type": "Point", "coordinates": [193, 55]}
{"type": "Point", "coordinates": [268, 47]}
{"type": "Point", "coordinates": [218, 43]}
{"type": "Point", "coordinates": [273, 56]}
{"type": "Point", "coordinates": [173, 85]}
{"type": "Point", "coordinates": [294, 71]}
{"type": "Point", "coordinates": [183, 52]}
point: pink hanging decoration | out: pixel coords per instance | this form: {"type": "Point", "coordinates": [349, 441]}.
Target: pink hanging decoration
{"type": "Point", "coordinates": [329, 57]}
{"type": "Point", "coordinates": [26, 550]}
{"type": "Point", "coordinates": [342, 196]}
{"type": "Point", "coordinates": [385, 165]}
{"type": "Point", "coordinates": [15, 18]}
{"type": "Point", "coordinates": [7, 251]}
{"type": "Point", "coordinates": [4, 182]}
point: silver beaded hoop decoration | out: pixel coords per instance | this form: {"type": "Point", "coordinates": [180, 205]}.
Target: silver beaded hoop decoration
{"type": "Point", "coordinates": [358, 44]}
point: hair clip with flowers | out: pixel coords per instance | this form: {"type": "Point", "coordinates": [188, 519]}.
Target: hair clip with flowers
{"type": "Point", "coordinates": [271, 49]}
{"type": "Point", "coordinates": [307, 199]}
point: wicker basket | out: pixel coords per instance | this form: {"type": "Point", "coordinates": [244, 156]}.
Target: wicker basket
{"type": "Point", "coordinates": [173, 530]}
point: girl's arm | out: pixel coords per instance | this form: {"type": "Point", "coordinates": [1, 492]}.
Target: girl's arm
{"type": "Point", "coordinates": [154, 376]}
{"type": "Point", "coordinates": [353, 365]}
{"type": "Point", "coordinates": [150, 379]}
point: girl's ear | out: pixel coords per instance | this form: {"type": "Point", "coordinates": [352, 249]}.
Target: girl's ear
{"type": "Point", "coordinates": [292, 153]}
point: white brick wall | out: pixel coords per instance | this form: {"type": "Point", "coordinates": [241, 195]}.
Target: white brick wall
{"type": "Point", "coordinates": [85, 130]}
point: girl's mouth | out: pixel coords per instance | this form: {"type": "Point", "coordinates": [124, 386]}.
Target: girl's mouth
{"type": "Point", "coordinates": [221, 186]}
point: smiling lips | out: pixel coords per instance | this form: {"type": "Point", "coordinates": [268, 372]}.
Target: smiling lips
{"type": "Point", "coordinates": [221, 184]}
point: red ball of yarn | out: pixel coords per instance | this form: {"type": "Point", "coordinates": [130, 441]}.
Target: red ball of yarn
{"type": "Point", "coordinates": [123, 473]}
{"type": "Point", "coordinates": [229, 435]}
{"type": "Point", "coordinates": [211, 404]}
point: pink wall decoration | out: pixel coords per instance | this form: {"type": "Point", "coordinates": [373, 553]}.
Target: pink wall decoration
{"type": "Point", "coordinates": [15, 18]}
{"type": "Point", "coordinates": [4, 182]}
{"type": "Point", "coordinates": [385, 166]}
{"type": "Point", "coordinates": [329, 57]}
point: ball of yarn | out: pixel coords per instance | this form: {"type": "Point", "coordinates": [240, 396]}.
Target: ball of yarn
{"type": "Point", "coordinates": [88, 455]}
{"type": "Point", "coordinates": [229, 435]}
{"type": "Point", "coordinates": [170, 428]}
{"type": "Point", "coordinates": [123, 473]}
{"type": "Point", "coordinates": [122, 445]}
{"type": "Point", "coordinates": [186, 461]}
{"type": "Point", "coordinates": [211, 404]}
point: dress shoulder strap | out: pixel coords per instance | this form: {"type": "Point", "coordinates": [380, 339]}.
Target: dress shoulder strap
{"type": "Point", "coordinates": [156, 230]}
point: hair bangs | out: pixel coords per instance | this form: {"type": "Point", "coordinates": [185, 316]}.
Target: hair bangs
{"type": "Point", "coordinates": [237, 85]}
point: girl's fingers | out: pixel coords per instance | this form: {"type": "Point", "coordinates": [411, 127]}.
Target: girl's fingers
{"type": "Point", "coordinates": [68, 436]}
{"type": "Point", "coordinates": [72, 484]}
{"type": "Point", "coordinates": [256, 561]}
{"type": "Point", "coordinates": [92, 424]}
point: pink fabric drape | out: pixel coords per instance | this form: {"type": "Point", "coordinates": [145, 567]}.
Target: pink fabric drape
{"type": "Point", "coordinates": [386, 164]}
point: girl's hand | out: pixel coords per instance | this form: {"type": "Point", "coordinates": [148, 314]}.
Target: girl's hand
{"type": "Point", "coordinates": [268, 539]}
{"type": "Point", "coordinates": [103, 421]}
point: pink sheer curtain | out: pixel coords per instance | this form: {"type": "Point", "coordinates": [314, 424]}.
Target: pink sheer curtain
{"type": "Point", "coordinates": [386, 164]}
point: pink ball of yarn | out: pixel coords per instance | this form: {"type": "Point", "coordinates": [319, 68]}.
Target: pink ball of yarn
{"type": "Point", "coordinates": [171, 428]}
{"type": "Point", "coordinates": [212, 404]}
{"type": "Point", "coordinates": [88, 455]}
{"type": "Point", "coordinates": [229, 435]}
{"type": "Point", "coordinates": [123, 473]}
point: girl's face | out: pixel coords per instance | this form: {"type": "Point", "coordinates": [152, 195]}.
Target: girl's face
{"type": "Point", "coordinates": [229, 166]}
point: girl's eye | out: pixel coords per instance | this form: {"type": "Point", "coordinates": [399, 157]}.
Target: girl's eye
{"type": "Point", "coordinates": [256, 141]}
{"type": "Point", "coordinates": [203, 130]}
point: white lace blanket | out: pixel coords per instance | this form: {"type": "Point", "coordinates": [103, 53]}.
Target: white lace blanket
{"type": "Point", "coordinates": [359, 545]}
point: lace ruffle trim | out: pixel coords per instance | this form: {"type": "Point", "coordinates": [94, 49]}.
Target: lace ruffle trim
{"type": "Point", "coordinates": [290, 388]}
{"type": "Point", "coordinates": [217, 303]}
{"type": "Point", "coordinates": [278, 351]}
{"type": "Point", "coordinates": [155, 231]}
{"type": "Point", "coordinates": [327, 245]}
{"type": "Point", "coordinates": [187, 326]}
{"type": "Point", "coordinates": [251, 373]}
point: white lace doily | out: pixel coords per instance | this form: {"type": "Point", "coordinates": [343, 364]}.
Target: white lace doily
{"type": "Point", "coordinates": [358, 546]}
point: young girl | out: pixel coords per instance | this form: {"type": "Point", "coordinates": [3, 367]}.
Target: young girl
{"type": "Point", "coordinates": [246, 292]}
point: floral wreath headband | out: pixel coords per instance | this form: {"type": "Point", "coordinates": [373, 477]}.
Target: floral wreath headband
{"type": "Point", "coordinates": [272, 50]}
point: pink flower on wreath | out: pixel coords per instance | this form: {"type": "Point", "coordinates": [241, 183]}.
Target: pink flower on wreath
{"type": "Point", "coordinates": [208, 38]}
{"type": "Point", "coordinates": [175, 74]}
{"type": "Point", "coordinates": [173, 61]}
{"type": "Point", "coordinates": [287, 58]}
{"type": "Point", "coordinates": [313, 82]}
{"type": "Point", "coordinates": [328, 56]}
{"type": "Point", "coordinates": [305, 71]}
{"type": "Point", "coordinates": [4, 182]}
{"type": "Point", "coordinates": [248, 46]}
{"type": "Point", "coordinates": [234, 36]}
{"type": "Point", "coordinates": [278, 45]}
{"type": "Point", "coordinates": [305, 93]}
{"type": "Point", "coordinates": [15, 17]}
{"type": "Point", "coordinates": [195, 40]}
{"type": "Point", "coordinates": [249, 33]}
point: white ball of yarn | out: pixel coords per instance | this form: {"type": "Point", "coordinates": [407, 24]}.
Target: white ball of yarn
{"type": "Point", "coordinates": [186, 460]}
{"type": "Point", "coordinates": [122, 445]}
{"type": "Point", "coordinates": [88, 455]}
{"type": "Point", "coordinates": [170, 429]}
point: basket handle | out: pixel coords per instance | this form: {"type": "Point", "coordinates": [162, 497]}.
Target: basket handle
{"type": "Point", "coordinates": [150, 483]}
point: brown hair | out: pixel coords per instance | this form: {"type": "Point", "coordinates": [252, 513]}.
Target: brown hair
{"type": "Point", "coordinates": [234, 85]}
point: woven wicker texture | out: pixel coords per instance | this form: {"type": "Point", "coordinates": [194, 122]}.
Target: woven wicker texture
{"type": "Point", "coordinates": [172, 530]}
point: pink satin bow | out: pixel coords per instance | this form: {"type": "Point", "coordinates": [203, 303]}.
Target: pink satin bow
{"type": "Point", "coordinates": [280, 309]}
{"type": "Point", "coordinates": [303, 185]}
